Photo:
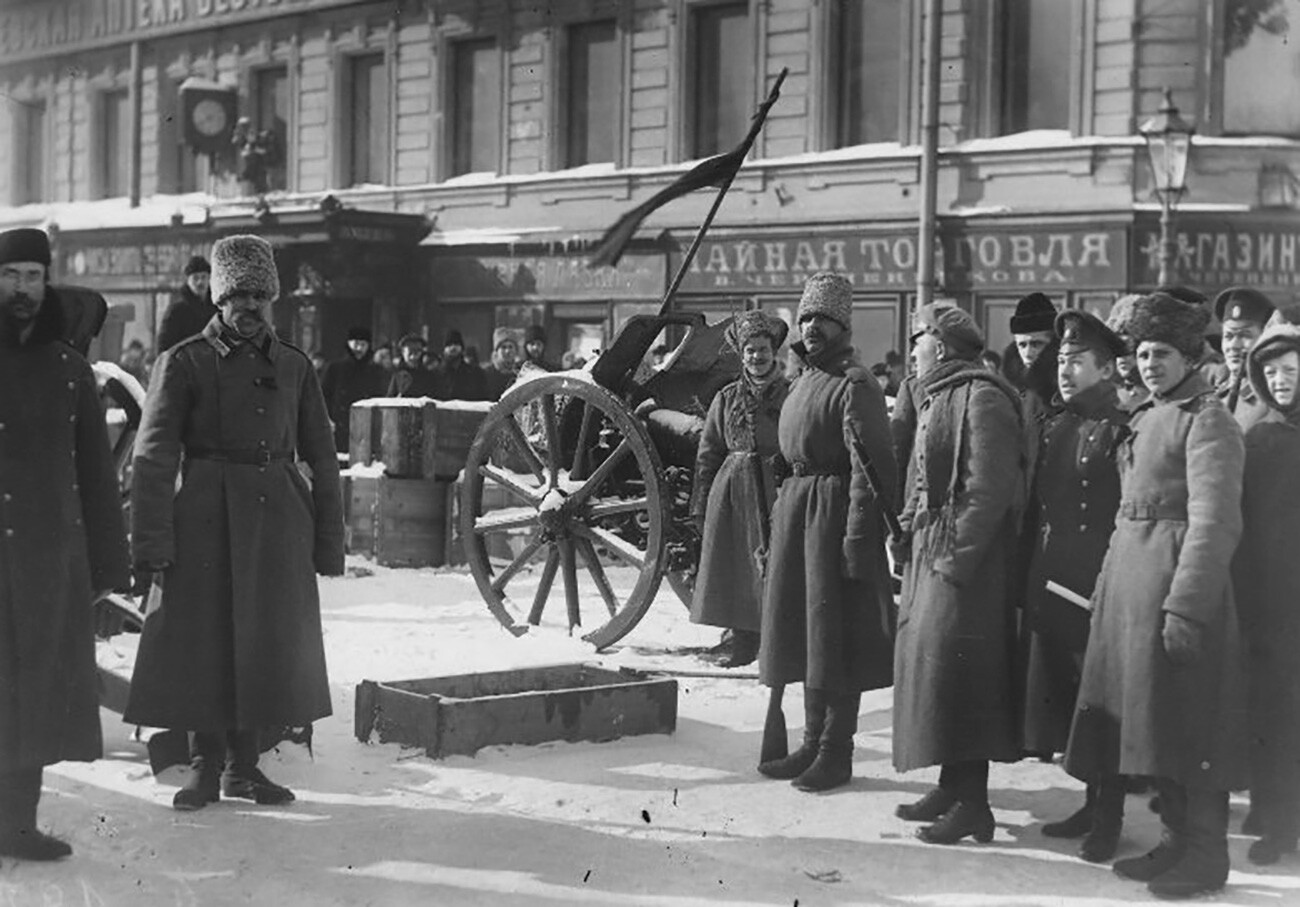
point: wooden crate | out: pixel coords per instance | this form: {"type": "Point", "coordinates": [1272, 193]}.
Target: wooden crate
{"type": "Point", "coordinates": [416, 439]}
{"type": "Point", "coordinates": [360, 496]}
{"type": "Point", "coordinates": [411, 522]}
{"type": "Point", "coordinates": [462, 714]}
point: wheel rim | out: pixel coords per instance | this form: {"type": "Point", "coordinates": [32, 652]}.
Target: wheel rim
{"type": "Point", "coordinates": [585, 511]}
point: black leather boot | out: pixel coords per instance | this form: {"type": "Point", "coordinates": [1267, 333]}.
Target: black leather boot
{"type": "Point", "coordinates": [1102, 840]}
{"type": "Point", "coordinates": [966, 819]}
{"type": "Point", "coordinates": [242, 779]}
{"type": "Point", "coordinates": [833, 766]}
{"type": "Point", "coordinates": [1203, 867]}
{"type": "Point", "coordinates": [798, 762]}
{"type": "Point", "coordinates": [20, 792]}
{"type": "Point", "coordinates": [1076, 825]}
{"type": "Point", "coordinates": [1173, 838]}
{"type": "Point", "coordinates": [743, 651]}
{"type": "Point", "coordinates": [929, 808]}
{"type": "Point", "coordinates": [203, 786]}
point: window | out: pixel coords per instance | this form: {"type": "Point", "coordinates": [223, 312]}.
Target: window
{"type": "Point", "coordinates": [1258, 51]}
{"type": "Point", "coordinates": [721, 91]}
{"type": "Point", "coordinates": [367, 121]}
{"type": "Point", "coordinates": [29, 153]}
{"type": "Point", "coordinates": [591, 106]}
{"type": "Point", "coordinates": [869, 78]}
{"type": "Point", "coordinates": [114, 144]}
{"type": "Point", "coordinates": [271, 114]}
{"type": "Point", "coordinates": [1036, 66]}
{"type": "Point", "coordinates": [475, 105]}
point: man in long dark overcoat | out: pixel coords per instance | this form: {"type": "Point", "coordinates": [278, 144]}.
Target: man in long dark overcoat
{"type": "Point", "coordinates": [827, 604]}
{"type": "Point", "coordinates": [62, 544]}
{"type": "Point", "coordinates": [191, 307]}
{"type": "Point", "coordinates": [235, 641]}
{"type": "Point", "coordinates": [953, 663]}
{"type": "Point", "coordinates": [356, 376]}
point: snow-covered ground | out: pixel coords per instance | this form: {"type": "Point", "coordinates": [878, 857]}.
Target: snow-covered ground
{"type": "Point", "coordinates": [655, 820]}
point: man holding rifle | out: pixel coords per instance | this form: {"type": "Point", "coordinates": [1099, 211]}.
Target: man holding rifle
{"type": "Point", "coordinates": [827, 604]}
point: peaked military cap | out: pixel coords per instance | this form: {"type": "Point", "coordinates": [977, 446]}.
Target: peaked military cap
{"type": "Point", "coordinates": [1078, 331]}
{"type": "Point", "coordinates": [1243, 304]}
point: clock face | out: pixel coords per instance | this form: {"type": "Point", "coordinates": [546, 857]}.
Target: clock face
{"type": "Point", "coordinates": [209, 117]}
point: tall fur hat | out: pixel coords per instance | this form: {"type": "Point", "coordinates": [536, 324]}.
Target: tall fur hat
{"type": "Point", "coordinates": [1161, 318]}
{"type": "Point", "coordinates": [25, 244]}
{"type": "Point", "coordinates": [828, 294]}
{"type": "Point", "coordinates": [1034, 313]}
{"type": "Point", "coordinates": [243, 264]}
{"type": "Point", "coordinates": [1121, 313]}
{"type": "Point", "coordinates": [748, 325]}
{"type": "Point", "coordinates": [504, 335]}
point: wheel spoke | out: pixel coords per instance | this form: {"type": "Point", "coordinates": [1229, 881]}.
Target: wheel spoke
{"type": "Point", "coordinates": [569, 564]}
{"type": "Point", "coordinates": [623, 550]}
{"type": "Point", "coordinates": [552, 430]}
{"type": "Point", "coordinates": [530, 456]}
{"type": "Point", "coordinates": [506, 575]}
{"type": "Point", "coordinates": [603, 471]}
{"type": "Point", "coordinates": [589, 413]}
{"type": "Point", "coordinates": [510, 482]}
{"type": "Point", "coordinates": [544, 587]}
{"type": "Point", "coordinates": [588, 552]}
{"type": "Point", "coordinates": [506, 518]}
{"type": "Point", "coordinates": [613, 506]}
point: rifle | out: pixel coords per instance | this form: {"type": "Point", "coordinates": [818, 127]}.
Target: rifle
{"type": "Point", "coordinates": [1235, 393]}
{"type": "Point", "coordinates": [877, 487]}
{"type": "Point", "coordinates": [775, 743]}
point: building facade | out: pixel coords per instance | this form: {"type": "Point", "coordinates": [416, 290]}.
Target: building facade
{"type": "Point", "coordinates": [447, 163]}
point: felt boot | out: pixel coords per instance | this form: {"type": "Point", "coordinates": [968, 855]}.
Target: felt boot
{"type": "Point", "coordinates": [833, 766]}
{"type": "Point", "coordinates": [1076, 825]}
{"type": "Point", "coordinates": [1102, 840]}
{"type": "Point", "coordinates": [1203, 867]}
{"type": "Point", "coordinates": [1173, 838]}
{"type": "Point", "coordinates": [798, 762]}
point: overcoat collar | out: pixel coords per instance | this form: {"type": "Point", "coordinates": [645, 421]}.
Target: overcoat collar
{"type": "Point", "coordinates": [225, 341]}
{"type": "Point", "coordinates": [835, 358]}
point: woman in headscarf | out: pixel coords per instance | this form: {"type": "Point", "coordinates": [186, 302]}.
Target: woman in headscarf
{"type": "Point", "coordinates": [1267, 578]}
{"type": "Point", "coordinates": [735, 487]}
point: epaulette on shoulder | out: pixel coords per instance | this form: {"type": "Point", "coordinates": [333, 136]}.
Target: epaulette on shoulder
{"type": "Point", "coordinates": [857, 374]}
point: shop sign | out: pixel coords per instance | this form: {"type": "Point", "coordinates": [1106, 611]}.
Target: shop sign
{"type": "Point", "coordinates": [56, 25]}
{"type": "Point", "coordinates": [1033, 258]}
{"type": "Point", "coordinates": [1220, 253]}
{"type": "Point", "coordinates": [554, 277]}
{"type": "Point", "coordinates": [148, 260]}
{"type": "Point", "coordinates": [785, 262]}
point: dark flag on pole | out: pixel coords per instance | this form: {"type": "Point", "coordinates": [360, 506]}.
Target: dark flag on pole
{"type": "Point", "coordinates": [717, 171]}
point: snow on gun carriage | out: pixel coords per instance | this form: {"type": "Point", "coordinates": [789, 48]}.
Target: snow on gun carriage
{"type": "Point", "coordinates": [597, 468]}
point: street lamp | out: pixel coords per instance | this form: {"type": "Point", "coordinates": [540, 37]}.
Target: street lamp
{"type": "Point", "coordinates": [1169, 144]}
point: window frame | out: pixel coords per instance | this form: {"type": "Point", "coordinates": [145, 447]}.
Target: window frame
{"type": "Point", "coordinates": [253, 77]}
{"type": "Point", "coordinates": [344, 110]}
{"type": "Point", "coordinates": [682, 68]}
{"type": "Point", "coordinates": [101, 178]}
{"type": "Point", "coordinates": [447, 50]}
{"type": "Point", "coordinates": [561, 76]}
{"type": "Point", "coordinates": [1213, 81]}
{"type": "Point", "coordinates": [21, 159]}
{"type": "Point", "coordinates": [827, 105]}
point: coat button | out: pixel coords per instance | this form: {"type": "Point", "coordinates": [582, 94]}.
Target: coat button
{"type": "Point", "coordinates": [1083, 527]}
{"type": "Point", "coordinates": [8, 496]}
{"type": "Point", "coordinates": [72, 385]}
{"type": "Point", "coordinates": [261, 499]}
{"type": "Point", "coordinates": [261, 410]}
{"type": "Point", "coordinates": [9, 532]}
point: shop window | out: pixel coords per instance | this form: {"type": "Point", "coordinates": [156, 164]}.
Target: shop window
{"type": "Point", "coordinates": [114, 143]}
{"type": "Point", "coordinates": [270, 91]}
{"type": "Point", "coordinates": [367, 121]}
{"type": "Point", "coordinates": [593, 87]}
{"type": "Point", "coordinates": [1260, 49]}
{"type": "Point", "coordinates": [721, 89]}
{"type": "Point", "coordinates": [29, 152]}
{"type": "Point", "coordinates": [1036, 66]}
{"type": "Point", "coordinates": [868, 36]}
{"type": "Point", "coordinates": [876, 330]}
{"type": "Point", "coordinates": [475, 102]}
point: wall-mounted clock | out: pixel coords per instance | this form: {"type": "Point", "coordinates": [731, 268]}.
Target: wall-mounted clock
{"type": "Point", "coordinates": [209, 117]}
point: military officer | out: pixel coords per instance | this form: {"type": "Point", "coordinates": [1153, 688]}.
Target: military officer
{"type": "Point", "coordinates": [1243, 312]}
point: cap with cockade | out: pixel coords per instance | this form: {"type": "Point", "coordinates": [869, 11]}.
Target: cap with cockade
{"type": "Point", "coordinates": [1079, 331]}
{"type": "Point", "coordinates": [1243, 304]}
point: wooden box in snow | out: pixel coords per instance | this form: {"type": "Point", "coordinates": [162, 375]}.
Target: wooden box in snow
{"type": "Point", "coordinates": [414, 438]}
{"type": "Point", "coordinates": [460, 715]}
{"type": "Point", "coordinates": [411, 522]}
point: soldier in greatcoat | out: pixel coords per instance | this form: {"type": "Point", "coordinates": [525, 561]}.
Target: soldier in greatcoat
{"type": "Point", "coordinates": [62, 544]}
{"type": "Point", "coordinates": [954, 666]}
{"type": "Point", "coordinates": [1075, 495]}
{"type": "Point", "coordinates": [1162, 693]}
{"type": "Point", "coordinates": [1243, 312]}
{"type": "Point", "coordinates": [827, 603]}
{"type": "Point", "coordinates": [1266, 574]}
{"type": "Point", "coordinates": [233, 639]}
{"type": "Point", "coordinates": [735, 487]}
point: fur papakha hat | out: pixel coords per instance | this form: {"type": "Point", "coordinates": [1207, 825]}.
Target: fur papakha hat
{"type": "Point", "coordinates": [828, 294]}
{"type": "Point", "coordinates": [749, 325]}
{"type": "Point", "coordinates": [1160, 318]}
{"type": "Point", "coordinates": [243, 264]}
{"type": "Point", "coordinates": [1121, 313]}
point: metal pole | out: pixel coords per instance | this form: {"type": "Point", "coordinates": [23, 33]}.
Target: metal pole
{"type": "Point", "coordinates": [925, 257]}
{"type": "Point", "coordinates": [1168, 249]}
{"type": "Point", "coordinates": [135, 99]}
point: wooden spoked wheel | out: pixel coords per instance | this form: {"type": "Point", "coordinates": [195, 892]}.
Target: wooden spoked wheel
{"type": "Point", "coordinates": [576, 489]}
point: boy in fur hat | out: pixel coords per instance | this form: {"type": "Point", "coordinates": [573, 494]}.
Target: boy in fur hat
{"type": "Point", "coordinates": [1162, 691]}
{"type": "Point", "coordinates": [828, 601]}
{"type": "Point", "coordinates": [233, 638]}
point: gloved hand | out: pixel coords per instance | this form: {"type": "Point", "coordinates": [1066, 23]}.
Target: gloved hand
{"type": "Point", "coordinates": [1182, 639]}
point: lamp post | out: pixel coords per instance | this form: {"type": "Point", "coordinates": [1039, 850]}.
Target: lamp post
{"type": "Point", "coordinates": [1169, 144]}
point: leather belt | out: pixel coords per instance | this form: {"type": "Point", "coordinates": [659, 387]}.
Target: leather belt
{"type": "Point", "coordinates": [1145, 510]}
{"type": "Point", "coordinates": [258, 456]}
{"type": "Point", "coordinates": [802, 468]}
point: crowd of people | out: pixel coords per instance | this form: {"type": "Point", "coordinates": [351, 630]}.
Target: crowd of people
{"type": "Point", "coordinates": [1094, 547]}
